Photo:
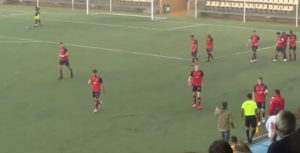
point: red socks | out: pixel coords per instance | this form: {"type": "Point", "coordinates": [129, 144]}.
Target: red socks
{"type": "Point", "coordinates": [97, 103]}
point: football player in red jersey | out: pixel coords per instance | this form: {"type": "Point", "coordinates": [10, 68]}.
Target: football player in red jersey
{"type": "Point", "coordinates": [64, 60]}
{"type": "Point", "coordinates": [197, 77]}
{"type": "Point", "coordinates": [280, 46]}
{"type": "Point", "coordinates": [209, 47]}
{"type": "Point", "coordinates": [97, 82]}
{"type": "Point", "coordinates": [255, 41]}
{"type": "Point", "coordinates": [285, 42]}
{"type": "Point", "coordinates": [293, 39]}
{"type": "Point", "coordinates": [194, 50]}
{"type": "Point", "coordinates": [260, 91]}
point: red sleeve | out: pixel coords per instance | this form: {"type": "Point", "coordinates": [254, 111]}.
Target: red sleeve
{"type": "Point", "coordinates": [271, 108]}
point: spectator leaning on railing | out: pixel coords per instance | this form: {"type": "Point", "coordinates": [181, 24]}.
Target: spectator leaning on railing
{"type": "Point", "coordinates": [225, 121]}
{"type": "Point", "coordinates": [285, 124]}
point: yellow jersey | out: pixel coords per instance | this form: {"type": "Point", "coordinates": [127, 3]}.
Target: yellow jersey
{"type": "Point", "coordinates": [249, 107]}
{"type": "Point", "coordinates": [233, 148]}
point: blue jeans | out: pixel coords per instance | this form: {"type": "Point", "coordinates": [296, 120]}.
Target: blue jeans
{"type": "Point", "coordinates": [225, 135]}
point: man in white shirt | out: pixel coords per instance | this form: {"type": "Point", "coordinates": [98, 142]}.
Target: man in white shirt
{"type": "Point", "coordinates": [271, 119]}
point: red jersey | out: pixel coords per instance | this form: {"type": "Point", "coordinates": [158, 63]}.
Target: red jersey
{"type": "Point", "coordinates": [96, 81]}
{"type": "Point", "coordinates": [63, 51]}
{"type": "Point", "coordinates": [293, 39]}
{"type": "Point", "coordinates": [209, 43]}
{"type": "Point", "coordinates": [280, 41]}
{"type": "Point", "coordinates": [277, 102]}
{"type": "Point", "coordinates": [194, 45]}
{"type": "Point", "coordinates": [197, 77]}
{"type": "Point", "coordinates": [260, 93]}
{"type": "Point", "coordinates": [285, 41]}
{"type": "Point", "coordinates": [254, 39]}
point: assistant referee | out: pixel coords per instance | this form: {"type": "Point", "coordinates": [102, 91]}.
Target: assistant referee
{"type": "Point", "coordinates": [250, 109]}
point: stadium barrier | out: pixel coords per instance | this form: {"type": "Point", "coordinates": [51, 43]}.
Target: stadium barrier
{"type": "Point", "coordinates": [278, 11]}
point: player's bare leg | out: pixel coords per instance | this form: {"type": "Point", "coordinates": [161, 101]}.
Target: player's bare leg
{"type": "Point", "coordinates": [194, 100]}
{"type": "Point", "coordinates": [60, 72]}
{"type": "Point", "coordinates": [209, 57]}
{"type": "Point", "coordinates": [295, 55]}
{"type": "Point", "coordinates": [199, 100]}
{"type": "Point", "coordinates": [290, 54]}
{"type": "Point", "coordinates": [196, 58]}
{"type": "Point", "coordinates": [263, 113]}
{"type": "Point", "coordinates": [70, 71]}
{"type": "Point", "coordinates": [276, 56]}
{"type": "Point", "coordinates": [284, 56]}
{"type": "Point", "coordinates": [258, 116]}
{"type": "Point", "coordinates": [39, 22]}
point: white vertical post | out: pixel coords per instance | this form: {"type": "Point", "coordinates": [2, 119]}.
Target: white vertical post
{"type": "Point", "coordinates": [72, 4]}
{"type": "Point", "coordinates": [244, 14]}
{"type": "Point", "coordinates": [152, 10]}
{"type": "Point", "coordinates": [37, 3]}
{"type": "Point", "coordinates": [196, 8]}
{"type": "Point", "coordinates": [87, 7]}
{"type": "Point", "coordinates": [297, 13]}
{"type": "Point", "coordinates": [110, 6]}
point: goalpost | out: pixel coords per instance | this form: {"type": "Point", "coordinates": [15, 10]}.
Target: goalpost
{"type": "Point", "coordinates": [136, 8]}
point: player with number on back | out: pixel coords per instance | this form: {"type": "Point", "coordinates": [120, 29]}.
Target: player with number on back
{"type": "Point", "coordinates": [37, 16]}
{"type": "Point", "coordinates": [197, 77]}
{"type": "Point", "coordinates": [97, 82]}
{"type": "Point", "coordinates": [285, 42]}
{"type": "Point", "coordinates": [194, 50]}
{"type": "Point", "coordinates": [280, 46]}
{"type": "Point", "coordinates": [260, 91]}
{"type": "Point", "coordinates": [293, 39]}
{"type": "Point", "coordinates": [209, 47]}
{"type": "Point", "coordinates": [255, 41]}
{"type": "Point", "coordinates": [64, 60]}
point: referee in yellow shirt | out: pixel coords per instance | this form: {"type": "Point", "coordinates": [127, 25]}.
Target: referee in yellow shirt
{"type": "Point", "coordinates": [250, 109]}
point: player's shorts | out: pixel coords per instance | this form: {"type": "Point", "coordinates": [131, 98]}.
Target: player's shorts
{"type": "Point", "coordinates": [250, 121]}
{"type": "Point", "coordinates": [96, 94]}
{"type": "Point", "coordinates": [209, 50]}
{"type": "Point", "coordinates": [279, 49]}
{"type": "Point", "coordinates": [254, 48]}
{"type": "Point", "coordinates": [64, 63]}
{"type": "Point", "coordinates": [194, 54]}
{"type": "Point", "coordinates": [293, 48]}
{"type": "Point", "coordinates": [37, 17]}
{"type": "Point", "coordinates": [261, 105]}
{"type": "Point", "coordinates": [197, 88]}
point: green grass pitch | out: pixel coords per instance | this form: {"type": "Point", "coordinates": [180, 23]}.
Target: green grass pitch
{"type": "Point", "coordinates": [145, 65]}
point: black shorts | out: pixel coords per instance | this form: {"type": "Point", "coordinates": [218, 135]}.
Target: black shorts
{"type": "Point", "coordinates": [64, 63]}
{"type": "Point", "coordinates": [261, 105]}
{"type": "Point", "coordinates": [293, 48]}
{"type": "Point", "coordinates": [209, 50]}
{"type": "Point", "coordinates": [197, 88]}
{"type": "Point", "coordinates": [279, 49]}
{"type": "Point", "coordinates": [96, 94]}
{"type": "Point", "coordinates": [254, 48]}
{"type": "Point", "coordinates": [194, 54]}
{"type": "Point", "coordinates": [250, 121]}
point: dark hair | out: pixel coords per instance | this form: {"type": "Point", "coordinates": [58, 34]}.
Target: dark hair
{"type": "Point", "coordinates": [283, 32]}
{"type": "Point", "coordinates": [278, 33]}
{"type": "Point", "coordinates": [208, 35]}
{"type": "Point", "coordinates": [220, 146]}
{"type": "Point", "coordinates": [254, 31]}
{"type": "Point", "coordinates": [249, 95]}
{"type": "Point", "coordinates": [94, 71]}
{"type": "Point", "coordinates": [234, 139]}
{"type": "Point", "coordinates": [277, 91]}
{"type": "Point", "coordinates": [260, 78]}
{"type": "Point", "coordinates": [61, 43]}
{"type": "Point", "coordinates": [224, 104]}
{"type": "Point", "coordinates": [192, 36]}
{"type": "Point", "coordinates": [291, 31]}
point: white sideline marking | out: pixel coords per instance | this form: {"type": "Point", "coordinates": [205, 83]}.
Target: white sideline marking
{"type": "Point", "coordinates": [19, 41]}
{"type": "Point", "coordinates": [91, 23]}
{"type": "Point", "coordinates": [129, 52]}
{"type": "Point", "coordinates": [183, 27]}
{"type": "Point", "coordinates": [14, 15]}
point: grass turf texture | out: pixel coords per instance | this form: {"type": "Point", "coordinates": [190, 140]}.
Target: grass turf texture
{"type": "Point", "coordinates": [147, 107]}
